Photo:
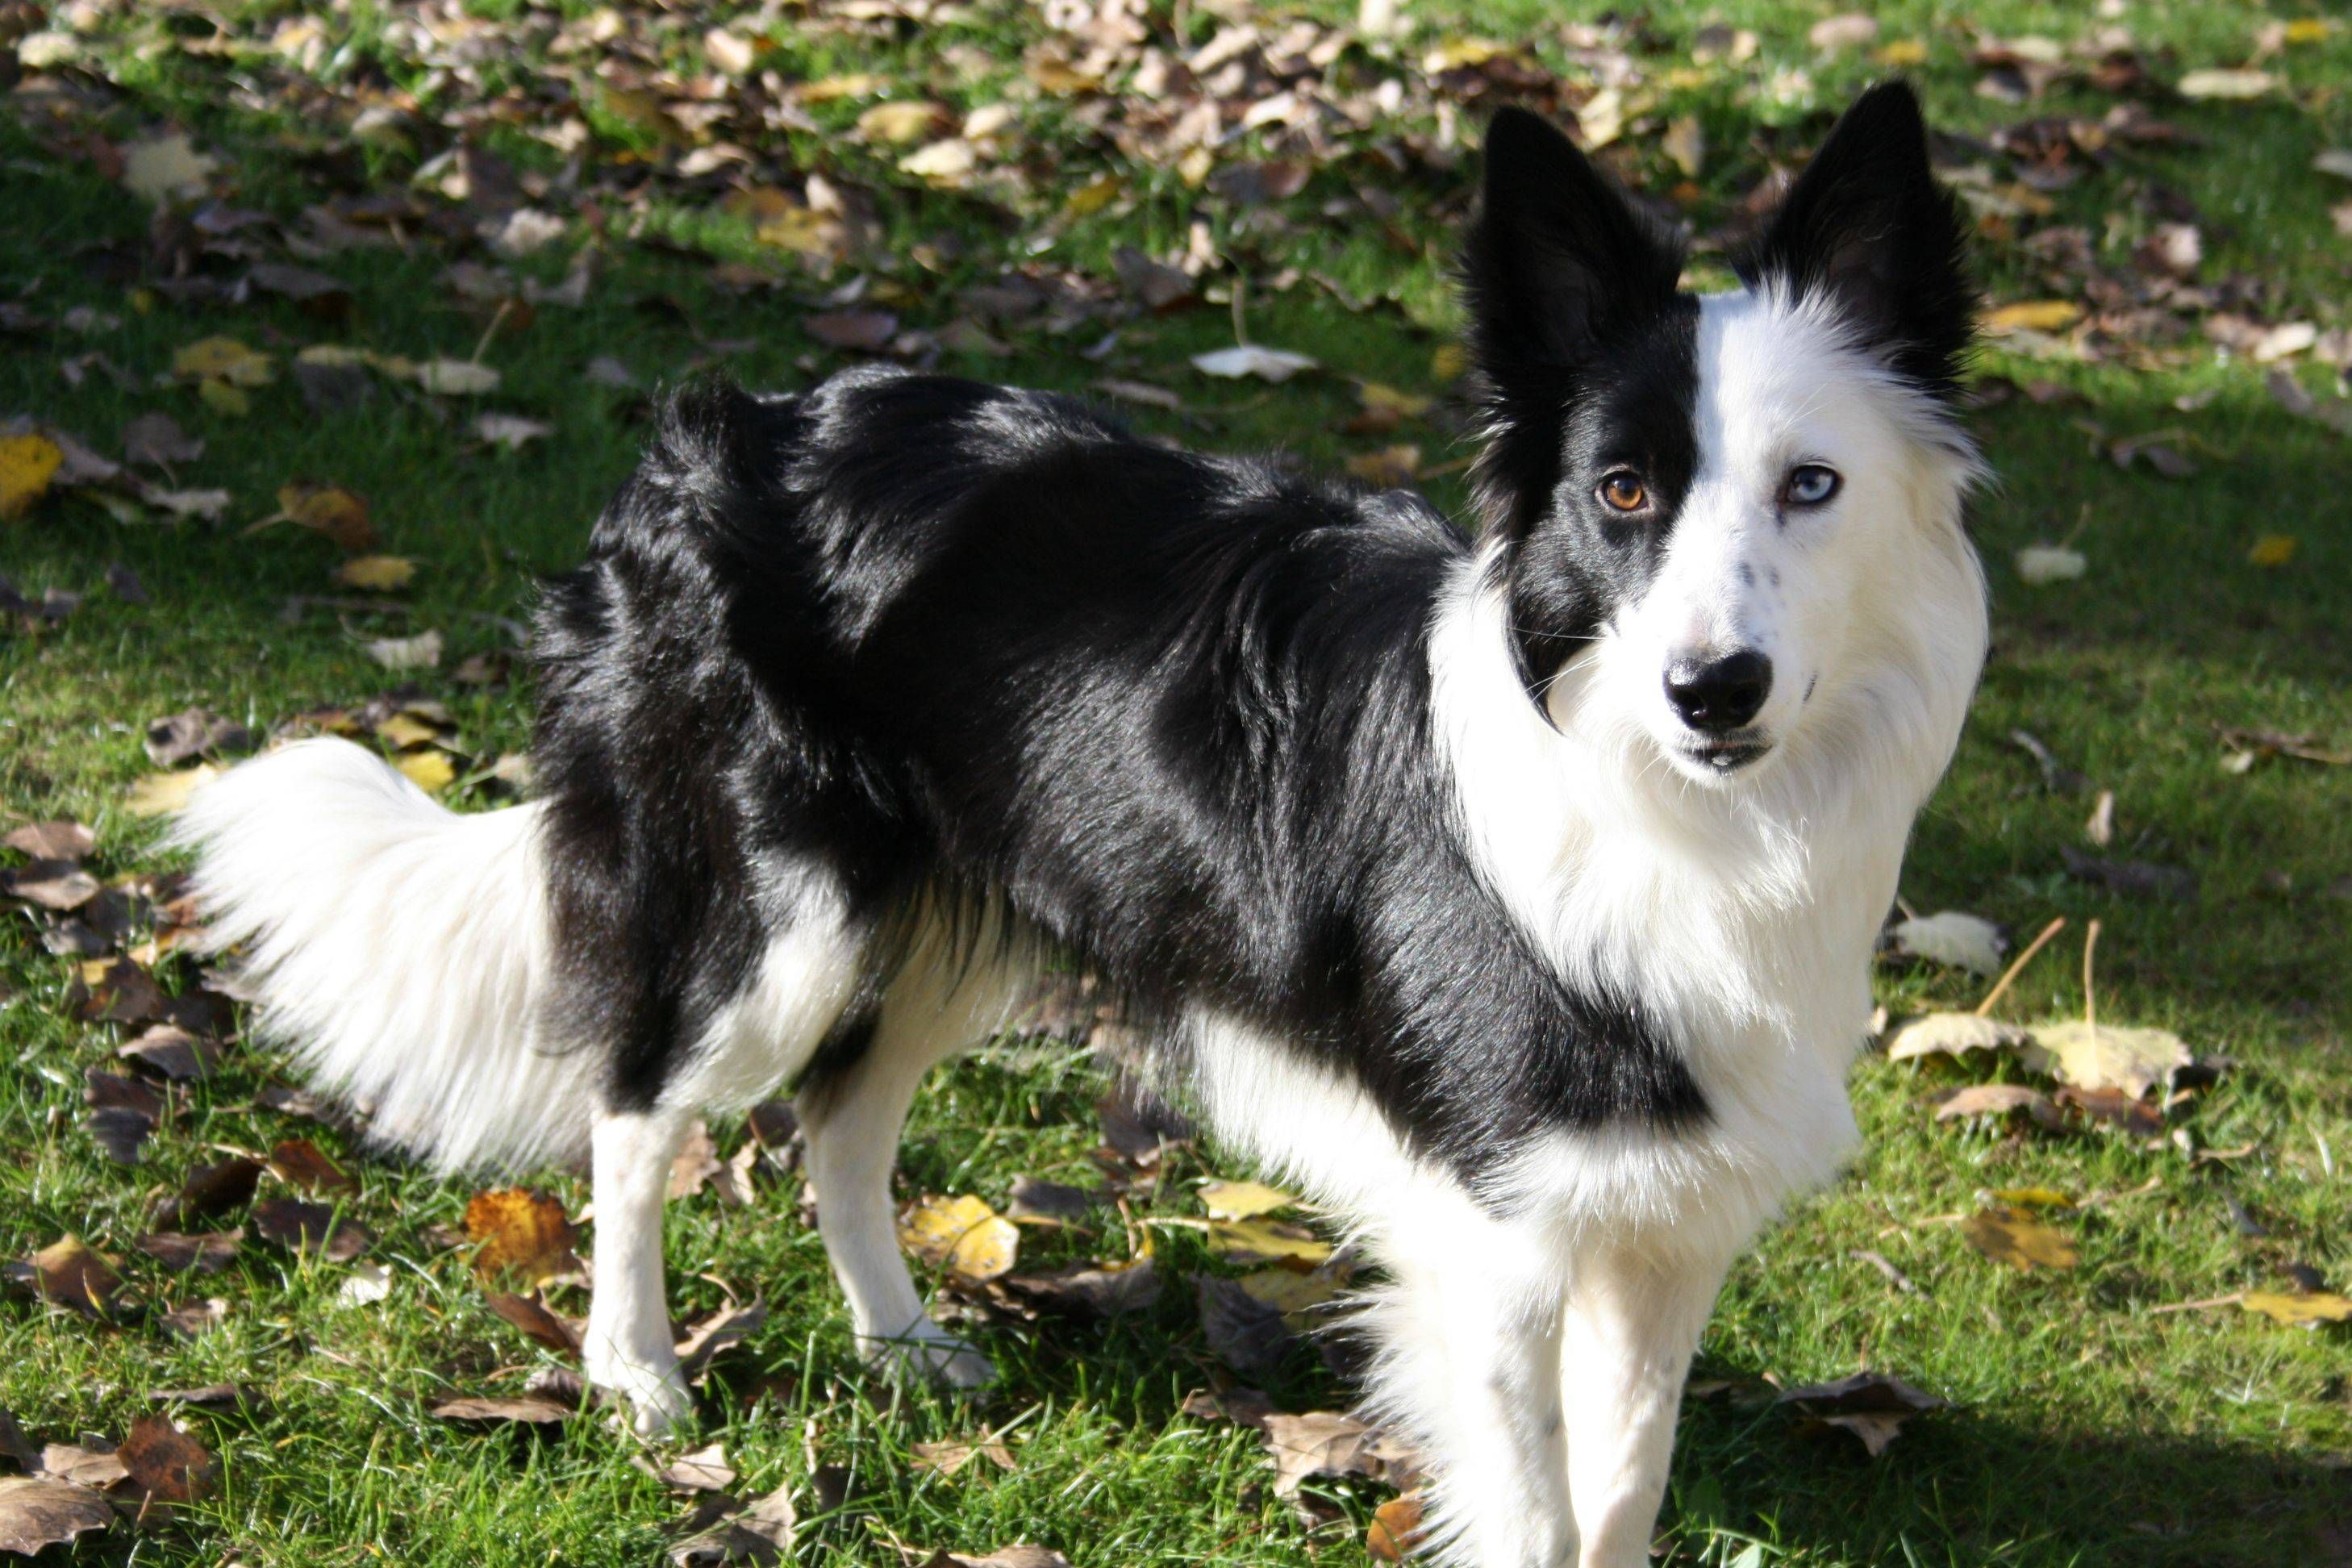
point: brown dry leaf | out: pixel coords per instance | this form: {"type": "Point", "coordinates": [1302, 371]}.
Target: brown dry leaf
{"type": "Point", "coordinates": [1871, 1406]}
{"type": "Point", "coordinates": [902, 124]}
{"type": "Point", "coordinates": [961, 1234]}
{"type": "Point", "coordinates": [705, 1339]}
{"type": "Point", "coordinates": [1012, 1557]}
{"type": "Point", "coordinates": [2107, 1057]}
{"type": "Point", "coordinates": [214, 1189]}
{"type": "Point", "coordinates": [695, 1162]}
{"type": "Point", "coordinates": [207, 1252]}
{"type": "Point", "coordinates": [170, 1051]}
{"type": "Point", "coordinates": [95, 1466]}
{"type": "Point", "coordinates": [947, 1458]}
{"type": "Point", "coordinates": [1395, 1530]}
{"type": "Point", "coordinates": [59, 839]}
{"type": "Point", "coordinates": [70, 1275]}
{"type": "Point", "coordinates": [704, 1470]}
{"type": "Point", "coordinates": [520, 1232]}
{"type": "Point", "coordinates": [1248, 1334]}
{"type": "Point", "coordinates": [298, 1162]}
{"type": "Point", "coordinates": [1850, 30]}
{"type": "Point", "coordinates": [329, 510]}
{"type": "Point", "coordinates": [58, 884]}
{"type": "Point", "coordinates": [1951, 1034]}
{"type": "Point", "coordinates": [164, 1462]}
{"type": "Point", "coordinates": [1327, 1443]}
{"type": "Point", "coordinates": [2114, 1108]}
{"type": "Point", "coordinates": [298, 1226]}
{"type": "Point", "coordinates": [1996, 1099]}
{"type": "Point", "coordinates": [533, 1317]}
{"type": "Point", "coordinates": [761, 1534]}
{"type": "Point", "coordinates": [1102, 1291]}
{"type": "Point", "coordinates": [38, 1512]}
{"type": "Point", "coordinates": [1042, 1200]}
{"type": "Point", "coordinates": [2302, 1311]}
{"type": "Point", "coordinates": [1243, 1200]}
{"type": "Point", "coordinates": [2008, 1236]}
{"type": "Point", "coordinates": [529, 1409]}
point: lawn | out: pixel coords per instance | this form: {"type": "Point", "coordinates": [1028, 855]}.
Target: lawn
{"type": "Point", "coordinates": [407, 218]}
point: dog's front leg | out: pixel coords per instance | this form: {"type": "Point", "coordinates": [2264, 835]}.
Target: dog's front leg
{"type": "Point", "coordinates": [1631, 1324]}
{"type": "Point", "coordinates": [628, 1349]}
{"type": "Point", "coordinates": [1471, 1364]}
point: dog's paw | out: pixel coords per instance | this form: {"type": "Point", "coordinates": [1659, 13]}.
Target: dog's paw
{"type": "Point", "coordinates": [655, 1397]}
{"type": "Point", "coordinates": [928, 1353]}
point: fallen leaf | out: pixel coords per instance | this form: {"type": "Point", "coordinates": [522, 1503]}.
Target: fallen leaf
{"type": "Point", "coordinates": [59, 839]}
{"type": "Point", "coordinates": [2107, 1057]}
{"type": "Point", "coordinates": [520, 1232]}
{"type": "Point", "coordinates": [2298, 1310]}
{"type": "Point", "coordinates": [298, 1226]}
{"type": "Point", "coordinates": [2114, 1108]}
{"type": "Point", "coordinates": [695, 1164]}
{"type": "Point", "coordinates": [2142, 879]}
{"type": "Point", "coordinates": [38, 1512]}
{"type": "Point", "coordinates": [1266, 1241]}
{"type": "Point", "coordinates": [946, 162]}
{"type": "Point", "coordinates": [862, 330]}
{"type": "Point", "coordinates": [1012, 1557]}
{"type": "Point", "coordinates": [170, 1051]}
{"type": "Point", "coordinates": [2038, 565]}
{"type": "Point", "coordinates": [328, 509]}
{"type": "Point", "coordinates": [59, 885]}
{"type": "Point", "coordinates": [194, 732]}
{"type": "Point", "coordinates": [1996, 1099]}
{"type": "Point", "coordinates": [367, 1284]}
{"type": "Point", "coordinates": [1851, 30]}
{"type": "Point", "coordinates": [947, 1458]}
{"type": "Point", "coordinates": [95, 1466]}
{"type": "Point", "coordinates": [900, 124]}
{"type": "Point", "coordinates": [533, 1317]}
{"type": "Point", "coordinates": [704, 1470]}
{"type": "Point", "coordinates": [429, 771]}
{"type": "Point", "coordinates": [207, 1252]}
{"type": "Point", "coordinates": [1954, 939]}
{"type": "Point", "coordinates": [1101, 1290]}
{"type": "Point", "coordinates": [457, 378]}
{"type": "Point", "coordinates": [27, 463]}
{"type": "Point", "coordinates": [224, 361]}
{"type": "Point", "coordinates": [529, 1410]}
{"type": "Point", "coordinates": [1951, 1034]}
{"type": "Point", "coordinates": [298, 1162]}
{"type": "Point", "coordinates": [214, 1189]}
{"type": "Point", "coordinates": [705, 1339]}
{"type": "Point", "coordinates": [1035, 1199]}
{"type": "Point", "coordinates": [1327, 1443]}
{"type": "Point", "coordinates": [164, 169]}
{"type": "Point", "coordinates": [510, 431]}
{"type": "Point", "coordinates": [164, 1462]}
{"type": "Point", "coordinates": [1395, 1530]}
{"type": "Point", "coordinates": [1243, 1200]}
{"type": "Point", "coordinates": [2272, 549]}
{"type": "Point", "coordinates": [70, 1273]}
{"type": "Point", "coordinates": [422, 651]}
{"type": "Point", "coordinates": [376, 573]}
{"type": "Point", "coordinates": [961, 1235]}
{"type": "Point", "coordinates": [761, 1534]}
{"type": "Point", "coordinates": [2227, 85]}
{"type": "Point", "coordinates": [1249, 1335]}
{"type": "Point", "coordinates": [1251, 359]}
{"type": "Point", "coordinates": [2033, 316]}
{"type": "Point", "coordinates": [2009, 1238]}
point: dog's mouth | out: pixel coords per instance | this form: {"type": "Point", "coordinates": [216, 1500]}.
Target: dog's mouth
{"type": "Point", "coordinates": [1726, 755]}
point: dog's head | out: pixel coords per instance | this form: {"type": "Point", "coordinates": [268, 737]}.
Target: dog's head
{"type": "Point", "coordinates": [1706, 506]}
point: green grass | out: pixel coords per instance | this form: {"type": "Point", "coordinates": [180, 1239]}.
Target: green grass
{"type": "Point", "coordinates": [2088, 1427]}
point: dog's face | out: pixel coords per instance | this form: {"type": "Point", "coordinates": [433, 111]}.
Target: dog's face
{"type": "Point", "coordinates": [1698, 499]}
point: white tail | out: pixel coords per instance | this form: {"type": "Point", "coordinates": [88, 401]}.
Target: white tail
{"type": "Point", "coordinates": [401, 950]}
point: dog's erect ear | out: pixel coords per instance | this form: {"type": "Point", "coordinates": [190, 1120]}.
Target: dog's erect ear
{"type": "Point", "coordinates": [1867, 225]}
{"type": "Point", "coordinates": [1558, 259]}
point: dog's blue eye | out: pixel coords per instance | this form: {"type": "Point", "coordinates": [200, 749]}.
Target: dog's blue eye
{"type": "Point", "coordinates": [1810, 484]}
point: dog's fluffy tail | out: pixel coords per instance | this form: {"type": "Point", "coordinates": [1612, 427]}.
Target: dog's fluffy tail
{"type": "Point", "coordinates": [402, 951]}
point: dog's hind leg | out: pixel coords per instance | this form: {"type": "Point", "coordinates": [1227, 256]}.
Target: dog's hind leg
{"type": "Point", "coordinates": [627, 1349]}
{"type": "Point", "coordinates": [851, 1111]}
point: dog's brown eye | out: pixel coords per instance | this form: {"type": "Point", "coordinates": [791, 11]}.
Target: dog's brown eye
{"type": "Point", "coordinates": [1624, 492]}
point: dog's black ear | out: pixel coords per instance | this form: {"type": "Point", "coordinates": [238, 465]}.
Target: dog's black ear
{"type": "Point", "coordinates": [1867, 225]}
{"type": "Point", "coordinates": [1557, 259]}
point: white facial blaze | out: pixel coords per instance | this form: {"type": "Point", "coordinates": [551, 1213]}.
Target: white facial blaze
{"type": "Point", "coordinates": [1779, 385]}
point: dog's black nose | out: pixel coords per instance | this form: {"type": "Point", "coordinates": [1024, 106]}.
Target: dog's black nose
{"type": "Point", "coordinates": [1717, 694]}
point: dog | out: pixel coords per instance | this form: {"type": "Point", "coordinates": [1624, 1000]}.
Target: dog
{"type": "Point", "coordinates": [1512, 896]}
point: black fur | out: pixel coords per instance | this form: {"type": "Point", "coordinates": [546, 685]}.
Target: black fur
{"type": "Point", "coordinates": [1867, 225]}
{"type": "Point", "coordinates": [937, 637]}
{"type": "Point", "coordinates": [1587, 354]}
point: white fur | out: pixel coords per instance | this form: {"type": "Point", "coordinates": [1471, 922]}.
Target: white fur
{"type": "Point", "coordinates": [398, 948]}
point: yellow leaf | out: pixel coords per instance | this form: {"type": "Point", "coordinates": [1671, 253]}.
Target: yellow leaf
{"type": "Point", "coordinates": [961, 1235]}
{"type": "Point", "coordinates": [1903, 54]}
{"type": "Point", "coordinates": [2034, 316]}
{"type": "Point", "coordinates": [520, 1231]}
{"type": "Point", "coordinates": [429, 771]}
{"type": "Point", "coordinates": [223, 359]}
{"type": "Point", "coordinates": [856, 84]}
{"type": "Point", "coordinates": [2011, 1239]}
{"type": "Point", "coordinates": [1292, 1294]}
{"type": "Point", "coordinates": [1243, 1200]}
{"type": "Point", "coordinates": [1265, 1241]}
{"type": "Point", "coordinates": [1459, 52]}
{"type": "Point", "coordinates": [27, 465]}
{"type": "Point", "coordinates": [403, 730]}
{"type": "Point", "coordinates": [1449, 362]}
{"type": "Point", "coordinates": [2306, 30]}
{"type": "Point", "coordinates": [224, 398]}
{"type": "Point", "coordinates": [2035, 1198]}
{"type": "Point", "coordinates": [2297, 1312]}
{"type": "Point", "coordinates": [1380, 397]}
{"type": "Point", "coordinates": [2111, 1055]}
{"type": "Point", "coordinates": [947, 161]}
{"type": "Point", "coordinates": [379, 574]}
{"type": "Point", "coordinates": [901, 124]}
{"type": "Point", "coordinates": [1094, 195]}
{"type": "Point", "coordinates": [160, 795]}
{"type": "Point", "coordinates": [2272, 549]}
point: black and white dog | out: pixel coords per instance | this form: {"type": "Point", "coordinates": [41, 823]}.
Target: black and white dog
{"type": "Point", "coordinates": [1513, 897]}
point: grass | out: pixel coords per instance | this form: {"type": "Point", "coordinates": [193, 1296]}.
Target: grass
{"type": "Point", "coordinates": [2088, 1427]}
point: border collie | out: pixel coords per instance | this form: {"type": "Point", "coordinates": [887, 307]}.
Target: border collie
{"type": "Point", "coordinates": [1512, 896]}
